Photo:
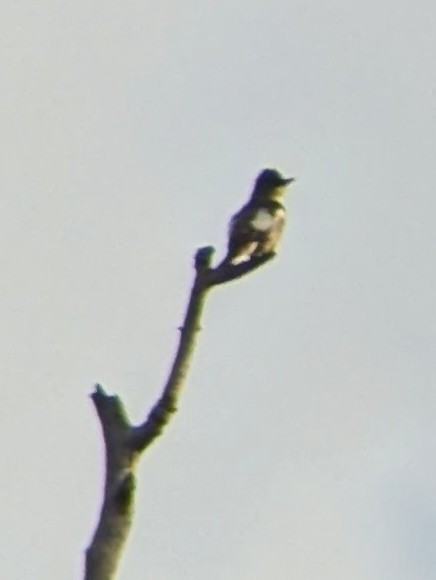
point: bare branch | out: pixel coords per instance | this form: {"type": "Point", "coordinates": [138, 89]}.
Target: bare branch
{"type": "Point", "coordinates": [104, 553]}
{"type": "Point", "coordinates": [124, 442]}
{"type": "Point", "coordinates": [228, 272]}
{"type": "Point", "coordinates": [167, 404]}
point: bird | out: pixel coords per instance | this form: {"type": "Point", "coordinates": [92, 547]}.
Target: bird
{"type": "Point", "coordinates": [255, 230]}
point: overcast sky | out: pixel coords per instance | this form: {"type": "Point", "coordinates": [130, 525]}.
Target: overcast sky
{"type": "Point", "coordinates": [304, 447]}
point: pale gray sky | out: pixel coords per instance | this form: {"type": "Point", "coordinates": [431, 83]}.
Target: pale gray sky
{"type": "Point", "coordinates": [305, 443]}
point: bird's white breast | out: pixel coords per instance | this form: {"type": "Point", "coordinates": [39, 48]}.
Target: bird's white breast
{"type": "Point", "coordinates": [262, 221]}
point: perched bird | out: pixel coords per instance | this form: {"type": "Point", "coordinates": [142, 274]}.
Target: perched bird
{"type": "Point", "coordinates": [257, 227]}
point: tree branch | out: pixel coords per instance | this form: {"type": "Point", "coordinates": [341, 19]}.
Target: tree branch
{"type": "Point", "coordinates": [104, 553]}
{"type": "Point", "coordinates": [228, 272]}
{"type": "Point", "coordinates": [125, 442]}
{"type": "Point", "coordinates": [167, 404]}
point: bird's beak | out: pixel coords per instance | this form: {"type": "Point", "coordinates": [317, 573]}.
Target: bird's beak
{"type": "Point", "coordinates": [288, 180]}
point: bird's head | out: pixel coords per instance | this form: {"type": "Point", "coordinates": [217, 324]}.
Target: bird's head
{"type": "Point", "coordinates": [271, 184]}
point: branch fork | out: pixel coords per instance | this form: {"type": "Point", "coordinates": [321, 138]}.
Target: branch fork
{"type": "Point", "coordinates": [124, 442]}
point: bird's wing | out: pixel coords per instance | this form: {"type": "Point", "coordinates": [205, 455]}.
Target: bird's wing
{"type": "Point", "coordinates": [243, 235]}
